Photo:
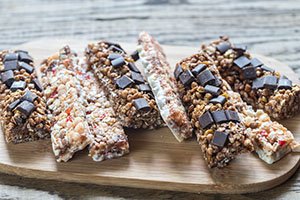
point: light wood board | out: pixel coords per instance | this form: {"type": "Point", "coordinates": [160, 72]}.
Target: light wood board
{"type": "Point", "coordinates": [156, 160]}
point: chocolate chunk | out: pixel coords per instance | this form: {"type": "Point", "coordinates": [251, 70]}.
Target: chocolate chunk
{"type": "Point", "coordinates": [232, 116]}
{"type": "Point", "coordinates": [144, 88]}
{"type": "Point", "coordinates": [178, 71]}
{"type": "Point", "coordinates": [223, 47]}
{"type": "Point", "coordinates": [240, 48]}
{"type": "Point", "coordinates": [219, 116]}
{"type": "Point", "coordinates": [10, 56]}
{"type": "Point", "coordinates": [11, 65]}
{"type": "Point", "coordinates": [8, 78]}
{"type": "Point", "coordinates": [220, 99]}
{"type": "Point", "coordinates": [25, 57]}
{"type": "Point", "coordinates": [124, 82]}
{"type": "Point", "coordinates": [199, 68]}
{"type": "Point", "coordinates": [26, 66]}
{"type": "Point", "coordinates": [220, 138]}
{"type": "Point", "coordinates": [135, 55]}
{"type": "Point", "coordinates": [270, 82]}
{"type": "Point", "coordinates": [114, 44]}
{"type": "Point", "coordinates": [26, 108]}
{"type": "Point", "coordinates": [141, 104]}
{"type": "Point", "coordinates": [23, 51]}
{"type": "Point", "coordinates": [265, 68]}
{"type": "Point", "coordinates": [212, 90]}
{"type": "Point", "coordinates": [37, 84]}
{"type": "Point", "coordinates": [242, 61]}
{"type": "Point", "coordinates": [284, 84]}
{"type": "Point", "coordinates": [186, 77]}
{"type": "Point", "coordinates": [258, 83]}
{"type": "Point", "coordinates": [249, 72]}
{"type": "Point", "coordinates": [255, 62]}
{"type": "Point", "coordinates": [11, 106]}
{"type": "Point", "coordinates": [132, 67]}
{"type": "Point", "coordinates": [18, 85]}
{"type": "Point", "coordinates": [137, 77]}
{"type": "Point", "coordinates": [29, 96]}
{"type": "Point", "coordinates": [206, 120]}
{"type": "Point", "coordinates": [115, 48]}
{"type": "Point", "coordinates": [217, 81]}
{"type": "Point", "coordinates": [113, 56]}
{"type": "Point", "coordinates": [206, 77]}
{"type": "Point", "coordinates": [118, 62]}
{"type": "Point", "coordinates": [283, 77]}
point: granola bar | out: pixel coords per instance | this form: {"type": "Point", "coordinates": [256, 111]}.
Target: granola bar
{"type": "Point", "coordinates": [22, 103]}
{"type": "Point", "coordinates": [219, 130]}
{"type": "Point", "coordinates": [108, 137]}
{"type": "Point", "coordinates": [70, 131]}
{"type": "Point", "coordinates": [162, 82]}
{"type": "Point", "coordinates": [124, 85]}
{"type": "Point", "coordinates": [258, 84]}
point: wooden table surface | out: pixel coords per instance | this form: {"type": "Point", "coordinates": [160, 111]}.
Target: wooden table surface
{"type": "Point", "coordinates": [271, 28]}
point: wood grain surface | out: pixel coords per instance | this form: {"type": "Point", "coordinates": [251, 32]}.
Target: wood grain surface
{"type": "Point", "coordinates": [269, 28]}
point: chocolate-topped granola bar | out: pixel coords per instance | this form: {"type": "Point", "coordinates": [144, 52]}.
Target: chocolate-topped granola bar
{"type": "Point", "coordinates": [124, 85]}
{"type": "Point", "coordinates": [22, 103]}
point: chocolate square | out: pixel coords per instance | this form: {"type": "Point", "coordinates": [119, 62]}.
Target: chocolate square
{"type": "Point", "coordinates": [29, 96]}
{"type": "Point", "coordinates": [220, 99]}
{"type": "Point", "coordinates": [223, 47]}
{"type": "Point", "coordinates": [178, 71]}
{"type": "Point", "coordinates": [23, 51]}
{"type": "Point", "coordinates": [26, 108]}
{"type": "Point", "coordinates": [258, 83]}
{"type": "Point", "coordinates": [249, 72]}
{"type": "Point", "coordinates": [115, 48]}
{"type": "Point", "coordinates": [144, 88]}
{"type": "Point", "coordinates": [265, 68]}
{"type": "Point", "coordinates": [8, 78]}
{"type": "Point", "coordinates": [186, 78]}
{"type": "Point", "coordinates": [37, 85]}
{"type": "Point", "coordinates": [206, 120]}
{"type": "Point", "coordinates": [124, 82]}
{"type": "Point", "coordinates": [132, 67]}
{"type": "Point", "coordinates": [25, 57]}
{"type": "Point", "coordinates": [219, 116]}
{"type": "Point", "coordinates": [255, 62]}
{"type": "Point", "coordinates": [18, 85]}
{"type": "Point", "coordinates": [212, 90]}
{"type": "Point", "coordinates": [137, 77]}
{"type": "Point", "coordinates": [206, 77]}
{"type": "Point", "coordinates": [220, 138]}
{"type": "Point", "coordinates": [118, 62]}
{"type": "Point", "coordinates": [242, 61]}
{"type": "Point", "coordinates": [10, 56]}
{"type": "Point", "coordinates": [141, 104]}
{"type": "Point", "coordinates": [11, 106]}
{"type": "Point", "coordinates": [284, 84]}
{"type": "Point", "coordinates": [135, 55]}
{"type": "Point", "coordinates": [11, 65]}
{"type": "Point", "coordinates": [114, 44]}
{"type": "Point", "coordinates": [199, 68]}
{"type": "Point", "coordinates": [232, 116]}
{"type": "Point", "coordinates": [26, 66]}
{"type": "Point", "coordinates": [270, 82]}
{"type": "Point", "coordinates": [240, 48]}
{"type": "Point", "coordinates": [284, 77]}
{"type": "Point", "coordinates": [113, 56]}
{"type": "Point", "coordinates": [217, 81]}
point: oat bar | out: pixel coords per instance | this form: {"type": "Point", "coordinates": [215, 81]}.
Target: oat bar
{"type": "Point", "coordinates": [108, 137]}
{"type": "Point", "coordinates": [216, 121]}
{"type": "Point", "coordinates": [70, 131]}
{"type": "Point", "coordinates": [258, 84]}
{"type": "Point", "coordinates": [162, 82]}
{"type": "Point", "coordinates": [22, 103]}
{"type": "Point", "coordinates": [124, 85]}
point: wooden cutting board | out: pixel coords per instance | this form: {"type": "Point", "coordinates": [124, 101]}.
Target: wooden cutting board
{"type": "Point", "coordinates": [156, 160]}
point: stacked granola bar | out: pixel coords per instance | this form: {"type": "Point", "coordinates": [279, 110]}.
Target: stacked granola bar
{"type": "Point", "coordinates": [124, 85]}
{"type": "Point", "coordinates": [258, 84]}
{"type": "Point", "coordinates": [22, 103]}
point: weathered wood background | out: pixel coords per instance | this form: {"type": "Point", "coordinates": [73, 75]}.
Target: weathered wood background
{"type": "Point", "coordinates": [271, 28]}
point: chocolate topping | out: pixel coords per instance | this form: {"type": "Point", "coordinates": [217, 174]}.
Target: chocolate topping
{"type": "Point", "coordinates": [118, 62]}
{"type": "Point", "coordinates": [223, 47]}
{"type": "Point", "coordinates": [26, 108]}
{"type": "Point", "coordinates": [206, 77]}
{"type": "Point", "coordinates": [186, 78]}
{"type": "Point", "coordinates": [124, 82]}
{"type": "Point", "coordinates": [242, 61]}
{"type": "Point", "coordinates": [141, 104]}
{"type": "Point", "coordinates": [206, 120]}
{"type": "Point", "coordinates": [220, 138]}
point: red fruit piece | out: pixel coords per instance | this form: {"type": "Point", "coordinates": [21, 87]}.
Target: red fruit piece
{"type": "Point", "coordinates": [282, 142]}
